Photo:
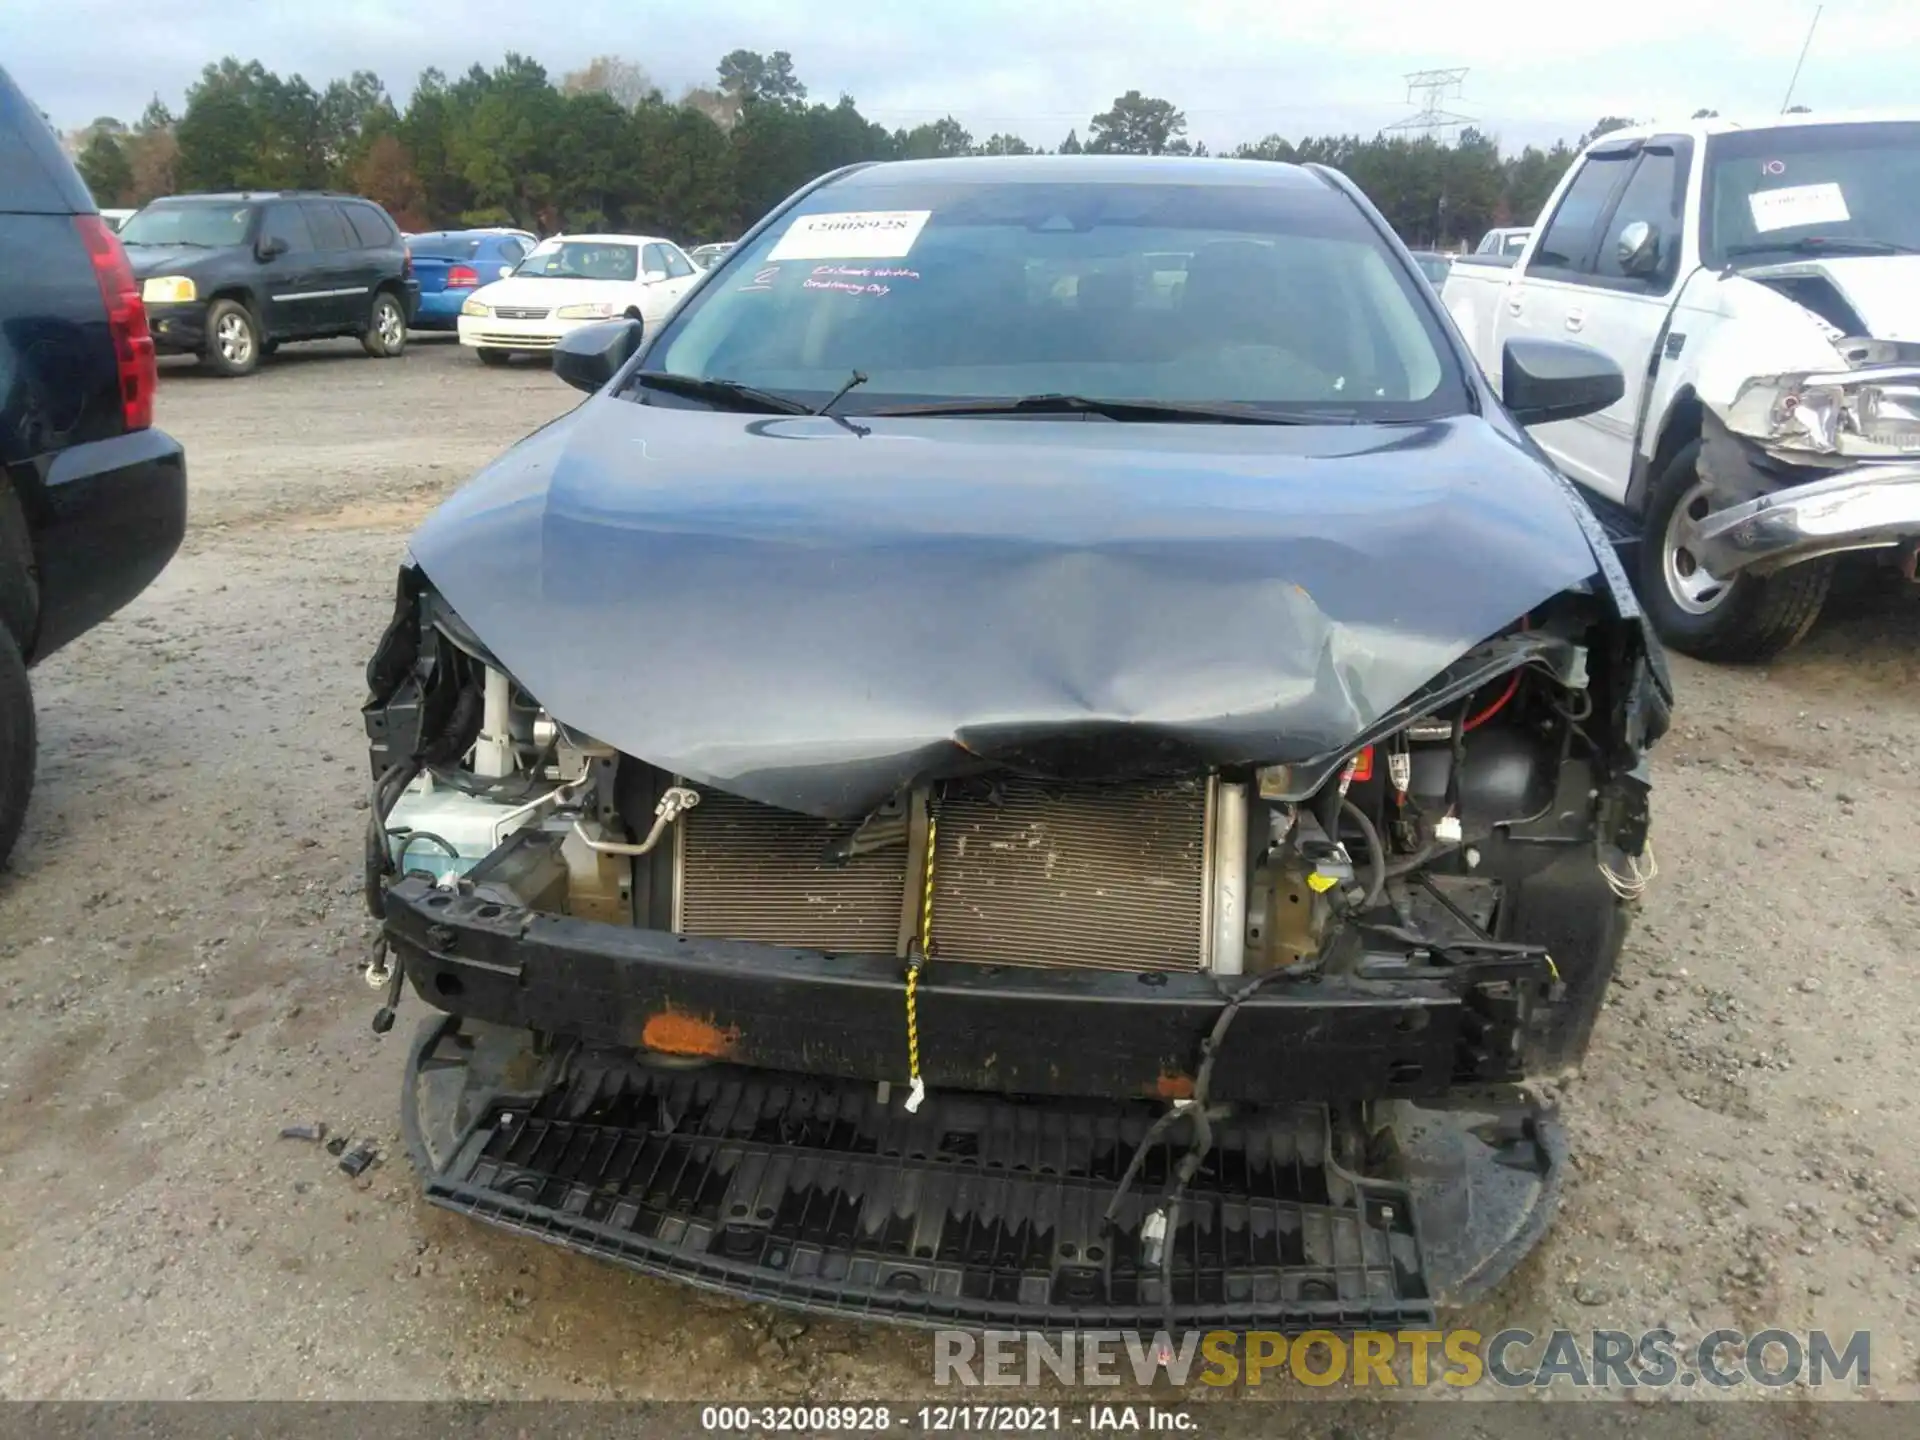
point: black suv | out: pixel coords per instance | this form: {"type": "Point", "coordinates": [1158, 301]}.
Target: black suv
{"type": "Point", "coordinates": [229, 277]}
{"type": "Point", "coordinates": [93, 499]}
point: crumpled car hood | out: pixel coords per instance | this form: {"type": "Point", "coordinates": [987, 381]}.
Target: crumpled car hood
{"type": "Point", "coordinates": [1883, 290]}
{"type": "Point", "coordinates": [813, 617]}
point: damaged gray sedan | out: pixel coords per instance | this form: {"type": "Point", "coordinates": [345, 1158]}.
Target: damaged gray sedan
{"type": "Point", "coordinates": [1045, 753]}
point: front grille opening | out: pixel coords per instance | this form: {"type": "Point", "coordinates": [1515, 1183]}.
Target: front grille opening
{"type": "Point", "coordinates": [1026, 872]}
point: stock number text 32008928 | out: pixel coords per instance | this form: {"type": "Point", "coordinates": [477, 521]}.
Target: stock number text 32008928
{"type": "Point", "coordinates": [930, 1419]}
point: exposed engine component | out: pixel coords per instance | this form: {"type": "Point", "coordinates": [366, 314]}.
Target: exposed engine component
{"type": "Point", "coordinates": [1136, 876]}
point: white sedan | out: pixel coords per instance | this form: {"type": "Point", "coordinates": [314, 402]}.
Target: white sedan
{"type": "Point", "coordinates": [574, 280]}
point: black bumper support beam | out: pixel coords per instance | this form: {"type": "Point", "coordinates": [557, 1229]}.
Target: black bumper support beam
{"type": "Point", "coordinates": [1017, 1030]}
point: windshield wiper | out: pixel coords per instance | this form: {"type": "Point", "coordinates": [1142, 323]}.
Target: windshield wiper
{"type": "Point", "coordinates": [1124, 410]}
{"type": "Point", "coordinates": [854, 380]}
{"type": "Point", "coordinates": [1824, 245]}
{"type": "Point", "coordinates": [722, 394]}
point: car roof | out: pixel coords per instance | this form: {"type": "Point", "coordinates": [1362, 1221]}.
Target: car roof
{"type": "Point", "coordinates": [243, 196]}
{"type": "Point", "coordinates": [1086, 169]}
{"type": "Point", "coordinates": [598, 239]}
{"type": "Point", "coordinates": [1709, 126]}
{"type": "Point", "coordinates": [487, 232]}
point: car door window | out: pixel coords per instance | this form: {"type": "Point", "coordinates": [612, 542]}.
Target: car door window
{"type": "Point", "coordinates": [1655, 194]}
{"type": "Point", "coordinates": [369, 228]}
{"type": "Point", "coordinates": [330, 228]}
{"type": "Point", "coordinates": [285, 222]}
{"type": "Point", "coordinates": [512, 252]}
{"type": "Point", "coordinates": [678, 266]}
{"type": "Point", "coordinates": [653, 260]}
{"type": "Point", "coordinates": [1566, 249]}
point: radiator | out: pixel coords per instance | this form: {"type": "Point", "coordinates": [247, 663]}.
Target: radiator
{"type": "Point", "coordinates": [1107, 876]}
{"type": "Point", "coordinates": [751, 872]}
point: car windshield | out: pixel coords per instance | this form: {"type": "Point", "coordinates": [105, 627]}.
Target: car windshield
{"type": "Point", "coordinates": [1274, 295]}
{"type": "Point", "coordinates": [203, 223]}
{"type": "Point", "coordinates": [1770, 192]}
{"type": "Point", "coordinates": [443, 247]}
{"type": "Point", "coordinates": [581, 260]}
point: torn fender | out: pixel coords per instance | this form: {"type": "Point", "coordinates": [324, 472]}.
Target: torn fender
{"type": "Point", "coordinates": [813, 616]}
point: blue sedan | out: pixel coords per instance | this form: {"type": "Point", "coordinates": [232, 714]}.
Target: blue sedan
{"type": "Point", "coordinates": [451, 264]}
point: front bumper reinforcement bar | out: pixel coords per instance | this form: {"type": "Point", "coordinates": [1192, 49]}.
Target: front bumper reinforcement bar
{"type": "Point", "coordinates": [1011, 1029]}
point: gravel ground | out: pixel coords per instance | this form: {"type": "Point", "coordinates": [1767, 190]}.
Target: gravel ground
{"type": "Point", "coordinates": [181, 933]}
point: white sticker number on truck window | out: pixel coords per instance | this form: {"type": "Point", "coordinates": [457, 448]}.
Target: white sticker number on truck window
{"type": "Point", "coordinates": [1797, 205]}
{"type": "Point", "coordinates": [851, 235]}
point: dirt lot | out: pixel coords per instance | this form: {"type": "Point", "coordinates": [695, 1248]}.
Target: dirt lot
{"type": "Point", "coordinates": [181, 935]}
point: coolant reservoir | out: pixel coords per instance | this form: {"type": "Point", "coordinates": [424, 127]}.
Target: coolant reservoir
{"type": "Point", "coordinates": [444, 831]}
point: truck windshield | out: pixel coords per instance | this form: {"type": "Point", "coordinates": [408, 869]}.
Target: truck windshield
{"type": "Point", "coordinates": [1787, 190]}
{"type": "Point", "coordinates": [1279, 296]}
{"type": "Point", "coordinates": [207, 224]}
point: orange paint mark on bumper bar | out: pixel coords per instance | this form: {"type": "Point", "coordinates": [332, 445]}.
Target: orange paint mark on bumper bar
{"type": "Point", "coordinates": [672, 1033]}
{"type": "Point", "coordinates": [1173, 1086]}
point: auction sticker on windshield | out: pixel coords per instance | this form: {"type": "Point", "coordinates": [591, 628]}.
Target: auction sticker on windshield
{"type": "Point", "coordinates": [851, 235]}
{"type": "Point", "coordinates": [1797, 205]}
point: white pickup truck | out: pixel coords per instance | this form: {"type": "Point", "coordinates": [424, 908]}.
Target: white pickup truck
{"type": "Point", "coordinates": [1759, 286]}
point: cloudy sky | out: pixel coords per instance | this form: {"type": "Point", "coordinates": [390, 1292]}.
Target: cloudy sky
{"type": "Point", "coordinates": [1239, 68]}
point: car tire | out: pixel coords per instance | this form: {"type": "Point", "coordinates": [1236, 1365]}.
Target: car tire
{"type": "Point", "coordinates": [1750, 619]}
{"type": "Point", "coordinates": [490, 356]}
{"type": "Point", "coordinates": [386, 333]}
{"type": "Point", "coordinates": [16, 743]}
{"type": "Point", "coordinates": [233, 339]}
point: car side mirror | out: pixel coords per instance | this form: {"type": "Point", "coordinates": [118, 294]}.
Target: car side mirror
{"type": "Point", "coordinates": [587, 358]}
{"type": "Point", "coordinates": [1546, 380]}
{"type": "Point", "coordinates": [653, 277]}
{"type": "Point", "coordinates": [505, 270]}
{"type": "Point", "coordinates": [271, 248]}
{"type": "Point", "coordinates": [1638, 248]}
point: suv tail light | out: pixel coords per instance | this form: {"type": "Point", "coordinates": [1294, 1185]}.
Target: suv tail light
{"type": "Point", "coordinates": [126, 319]}
{"type": "Point", "coordinates": [462, 277]}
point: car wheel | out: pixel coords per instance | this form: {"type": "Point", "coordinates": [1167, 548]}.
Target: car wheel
{"type": "Point", "coordinates": [233, 339]}
{"type": "Point", "coordinates": [16, 743]}
{"type": "Point", "coordinates": [490, 356]}
{"type": "Point", "coordinates": [386, 333]}
{"type": "Point", "coordinates": [1745, 618]}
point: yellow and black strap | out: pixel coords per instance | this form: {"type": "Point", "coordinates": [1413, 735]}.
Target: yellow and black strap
{"type": "Point", "coordinates": [923, 952]}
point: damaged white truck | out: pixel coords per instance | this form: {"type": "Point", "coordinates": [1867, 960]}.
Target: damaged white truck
{"type": "Point", "coordinates": [1760, 288]}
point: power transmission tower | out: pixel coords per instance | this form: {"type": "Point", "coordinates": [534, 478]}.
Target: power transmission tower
{"type": "Point", "coordinates": [1431, 87]}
